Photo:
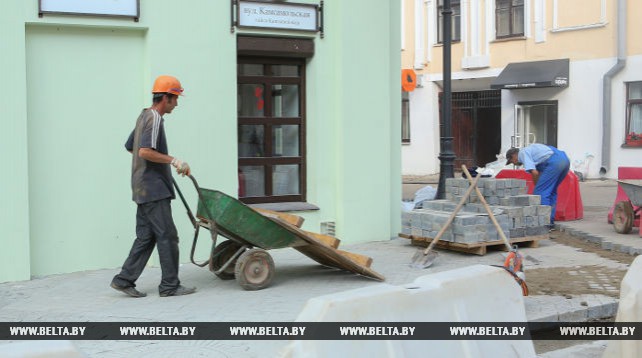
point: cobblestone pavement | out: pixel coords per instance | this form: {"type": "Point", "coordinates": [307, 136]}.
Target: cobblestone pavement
{"type": "Point", "coordinates": [86, 296]}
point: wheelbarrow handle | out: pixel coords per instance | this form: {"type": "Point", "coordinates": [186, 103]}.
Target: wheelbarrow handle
{"type": "Point", "coordinates": [198, 188]}
{"type": "Point", "coordinates": [180, 194]}
{"type": "Point", "coordinates": [189, 211]}
{"type": "Point", "coordinates": [213, 229]}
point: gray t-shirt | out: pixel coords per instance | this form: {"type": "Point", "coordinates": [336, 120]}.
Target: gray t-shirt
{"type": "Point", "coordinates": [150, 181]}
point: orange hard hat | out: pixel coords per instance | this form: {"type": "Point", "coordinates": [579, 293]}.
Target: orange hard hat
{"type": "Point", "coordinates": [167, 84]}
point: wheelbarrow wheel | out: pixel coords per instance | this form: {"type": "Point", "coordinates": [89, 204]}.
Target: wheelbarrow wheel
{"type": "Point", "coordinates": [221, 253]}
{"type": "Point", "coordinates": [254, 269]}
{"type": "Point", "coordinates": [623, 217]}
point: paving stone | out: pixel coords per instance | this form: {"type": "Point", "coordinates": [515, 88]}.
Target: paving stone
{"type": "Point", "coordinates": [493, 200]}
{"type": "Point", "coordinates": [469, 237]}
{"type": "Point", "coordinates": [466, 220]}
{"type": "Point", "coordinates": [490, 185]}
{"type": "Point", "coordinates": [517, 232]}
{"type": "Point", "coordinates": [529, 221]}
{"type": "Point", "coordinates": [543, 220]}
{"type": "Point", "coordinates": [543, 210]}
{"type": "Point", "coordinates": [536, 230]}
{"type": "Point", "coordinates": [517, 222]}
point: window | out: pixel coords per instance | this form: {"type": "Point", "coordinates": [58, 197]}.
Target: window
{"type": "Point", "coordinates": [634, 114]}
{"type": "Point", "coordinates": [456, 21]}
{"type": "Point", "coordinates": [509, 18]}
{"type": "Point", "coordinates": [271, 129]}
{"type": "Point", "coordinates": [405, 118]}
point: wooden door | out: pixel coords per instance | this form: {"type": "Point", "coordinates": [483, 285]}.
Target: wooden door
{"type": "Point", "coordinates": [463, 125]}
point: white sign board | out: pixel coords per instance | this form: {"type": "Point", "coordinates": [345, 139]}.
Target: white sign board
{"type": "Point", "coordinates": [128, 8]}
{"type": "Point", "coordinates": [300, 17]}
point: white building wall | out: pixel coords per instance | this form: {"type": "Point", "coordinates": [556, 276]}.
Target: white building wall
{"type": "Point", "coordinates": [580, 113]}
{"type": "Point", "coordinates": [419, 157]}
{"type": "Point", "coordinates": [625, 157]}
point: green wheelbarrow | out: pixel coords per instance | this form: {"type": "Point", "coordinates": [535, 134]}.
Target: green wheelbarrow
{"type": "Point", "coordinates": [250, 235]}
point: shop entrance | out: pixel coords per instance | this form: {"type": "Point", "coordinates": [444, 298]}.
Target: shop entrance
{"type": "Point", "coordinates": [476, 126]}
{"type": "Point", "coordinates": [535, 122]}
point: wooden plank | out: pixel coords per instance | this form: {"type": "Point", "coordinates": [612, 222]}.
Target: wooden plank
{"type": "Point", "coordinates": [284, 217]}
{"type": "Point", "coordinates": [360, 259]}
{"type": "Point", "coordinates": [330, 257]}
{"type": "Point", "coordinates": [326, 239]}
{"type": "Point", "coordinates": [325, 254]}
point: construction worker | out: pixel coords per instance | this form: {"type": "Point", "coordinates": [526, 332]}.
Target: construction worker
{"type": "Point", "coordinates": [152, 190]}
{"type": "Point", "coordinates": [548, 167]}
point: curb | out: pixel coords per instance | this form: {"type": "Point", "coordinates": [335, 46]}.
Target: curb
{"type": "Point", "coordinates": [604, 242]}
{"type": "Point", "coordinates": [581, 308]}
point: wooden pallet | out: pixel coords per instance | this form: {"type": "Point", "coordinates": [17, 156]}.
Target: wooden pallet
{"type": "Point", "coordinates": [478, 248]}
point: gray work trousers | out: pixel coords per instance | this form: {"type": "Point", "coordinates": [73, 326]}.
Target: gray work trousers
{"type": "Point", "coordinates": [154, 227]}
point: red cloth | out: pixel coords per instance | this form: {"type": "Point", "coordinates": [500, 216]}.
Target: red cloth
{"type": "Point", "coordinates": [569, 200]}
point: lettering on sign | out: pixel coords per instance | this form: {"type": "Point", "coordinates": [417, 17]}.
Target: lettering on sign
{"type": "Point", "coordinates": [300, 17]}
{"type": "Point", "coordinates": [561, 81]}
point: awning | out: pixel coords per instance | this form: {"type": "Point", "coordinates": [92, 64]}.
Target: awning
{"type": "Point", "coordinates": [536, 74]}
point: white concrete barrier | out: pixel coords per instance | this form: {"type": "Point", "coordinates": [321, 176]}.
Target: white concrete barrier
{"type": "Point", "coordinates": [40, 349]}
{"type": "Point", "coordinates": [629, 310]}
{"type": "Point", "coordinates": [472, 294]}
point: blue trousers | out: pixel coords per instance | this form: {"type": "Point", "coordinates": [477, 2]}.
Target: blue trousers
{"type": "Point", "coordinates": [551, 174]}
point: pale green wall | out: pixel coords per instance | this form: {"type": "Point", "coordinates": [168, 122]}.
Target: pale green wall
{"type": "Point", "coordinates": [66, 198]}
{"type": "Point", "coordinates": [77, 163]}
{"type": "Point", "coordinates": [368, 104]}
{"type": "Point", "coordinates": [14, 198]}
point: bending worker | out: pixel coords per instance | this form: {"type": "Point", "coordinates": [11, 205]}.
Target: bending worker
{"type": "Point", "coordinates": [548, 167]}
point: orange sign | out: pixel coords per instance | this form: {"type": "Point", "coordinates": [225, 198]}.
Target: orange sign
{"type": "Point", "coordinates": [408, 80]}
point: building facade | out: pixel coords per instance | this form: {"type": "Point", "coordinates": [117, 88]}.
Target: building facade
{"type": "Point", "coordinates": [560, 72]}
{"type": "Point", "coordinates": [292, 106]}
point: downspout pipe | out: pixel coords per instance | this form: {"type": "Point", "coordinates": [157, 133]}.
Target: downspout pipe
{"type": "Point", "coordinates": [607, 87]}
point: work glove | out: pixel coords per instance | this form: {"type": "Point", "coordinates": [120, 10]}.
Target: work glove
{"type": "Point", "coordinates": [182, 167]}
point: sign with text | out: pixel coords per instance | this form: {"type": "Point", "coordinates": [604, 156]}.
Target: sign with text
{"type": "Point", "coordinates": [286, 16]}
{"type": "Point", "coordinates": [123, 8]}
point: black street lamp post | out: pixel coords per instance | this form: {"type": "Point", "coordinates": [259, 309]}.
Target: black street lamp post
{"type": "Point", "coordinates": [446, 153]}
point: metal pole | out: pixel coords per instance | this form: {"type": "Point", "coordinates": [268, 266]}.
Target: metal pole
{"type": "Point", "coordinates": [446, 153]}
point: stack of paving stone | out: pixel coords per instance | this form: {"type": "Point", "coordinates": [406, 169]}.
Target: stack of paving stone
{"type": "Point", "coordinates": [518, 214]}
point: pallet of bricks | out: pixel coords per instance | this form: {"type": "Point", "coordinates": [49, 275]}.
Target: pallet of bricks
{"type": "Point", "coordinates": [521, 217]}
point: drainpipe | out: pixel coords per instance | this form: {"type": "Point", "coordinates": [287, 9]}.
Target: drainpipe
{"type": "Point", "coordinates": [606, 86]}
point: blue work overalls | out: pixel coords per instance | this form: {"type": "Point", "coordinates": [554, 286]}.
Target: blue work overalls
{"type": "Point", "coordinates": [551, 174]}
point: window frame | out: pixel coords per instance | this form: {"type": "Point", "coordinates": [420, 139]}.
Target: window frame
{"type": "Point", "coordinates": [268, 121]}
{"type": "Point", "coordinates": [511, 32]}
{"type": "Point", "coordinates": [629, 139]}
{"type": "Point", "coordinates": [456, 31]}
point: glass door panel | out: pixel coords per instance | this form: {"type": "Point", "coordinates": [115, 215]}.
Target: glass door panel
{"type": "Point", "coordinates": [285, 140]}
{"type": "Point", "coordinates": [251, 102]}
{"type": "Point", "coordinates": [251, 141]}
{"type": "Point", "coordinates": [285, 101]}
{"type": "Point", "coordinates": [285, 179]}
